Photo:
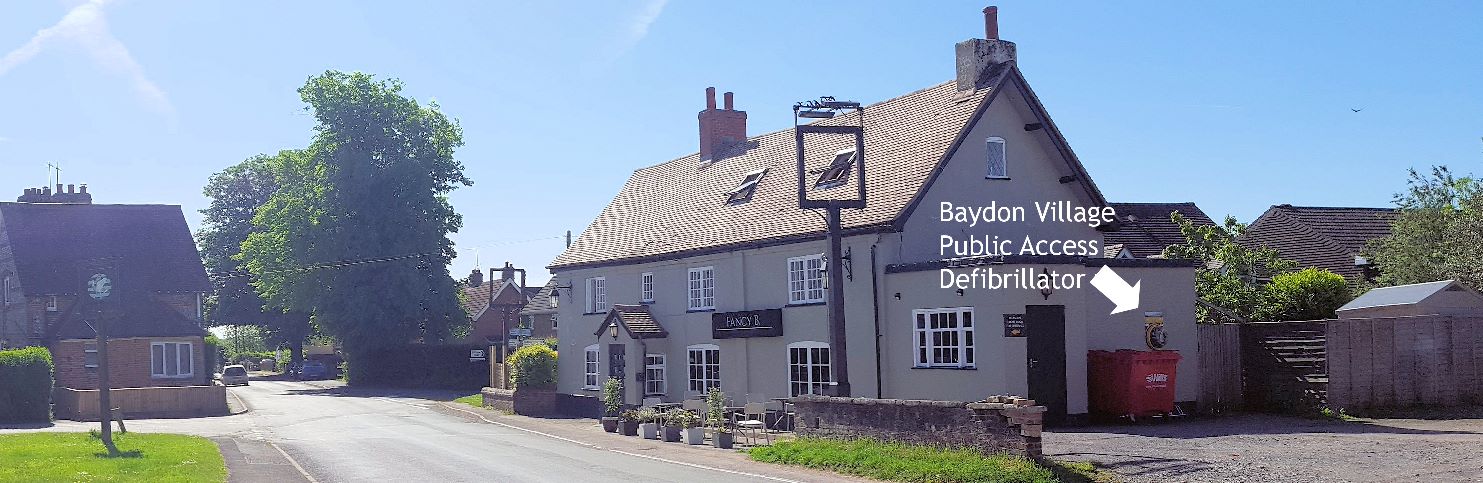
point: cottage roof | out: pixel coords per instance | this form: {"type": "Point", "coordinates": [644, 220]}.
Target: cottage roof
{"type": "Point", "coordinates": [152, 244]}
{"type": "Point", "coordinates": [680, 206]}
{"type": "Point", "coordinates": [1324, 237]}
{"type": "Point", "coordinates": [1145, 229]}
{"type": "Point", "coordinates": [141, 316]}
{"type": "Point", "coordinates": [542, 302]}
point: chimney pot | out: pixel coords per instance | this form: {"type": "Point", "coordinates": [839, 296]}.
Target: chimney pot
{"type": "Point", "coordinates": [59, 188]}
{"type": "Point", "coordinates": [46, 191]}
{"type": "Point", "coordinates": [991, 22]}
{"type": "Point", "coordinates": [710, 98]}
{"type": "Point", "coordinates": [727, 98]}
{"type": "Point", "coordinates": [82, 188]}
{"type": "Point", "coordinates": [71, 188]}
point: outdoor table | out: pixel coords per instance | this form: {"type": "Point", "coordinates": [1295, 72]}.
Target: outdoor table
{"type": "Point", "coordinates": [779, 424]}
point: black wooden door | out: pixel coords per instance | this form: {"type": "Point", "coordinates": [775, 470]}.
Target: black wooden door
{"type": "Point", "coordinates": [1045, 358]}
{"type": "Point", "coordinates": [616, 361]}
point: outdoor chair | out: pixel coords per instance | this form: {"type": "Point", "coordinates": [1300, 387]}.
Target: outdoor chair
{"type": "Point", "coordinates": [751, 420]}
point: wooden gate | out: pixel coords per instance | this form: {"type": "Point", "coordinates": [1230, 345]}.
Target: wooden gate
{"type": "Point", "coordinates": [1284, 365]}
{"type": "Point", "coordinates": [1220, 367]}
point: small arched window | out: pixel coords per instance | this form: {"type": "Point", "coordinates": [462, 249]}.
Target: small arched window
{"type": "Point", "coordinates": [997, 163]}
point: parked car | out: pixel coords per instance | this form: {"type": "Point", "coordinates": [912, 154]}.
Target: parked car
{"type": "Point", "coordinates": [233, 375]}
{"type": "Point", "coordinates": [314, 370]}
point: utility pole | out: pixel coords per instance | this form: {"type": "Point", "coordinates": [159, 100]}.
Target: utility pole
{"type": "Point", "coordinates": [846, 164]}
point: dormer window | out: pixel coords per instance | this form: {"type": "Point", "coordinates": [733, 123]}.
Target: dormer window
{"type": "Point", "coordinates": [998, 165]}
{"type": "Point", "coordinates": [838, 171]}
{"type": "Point", "coordinates": [743, 191]}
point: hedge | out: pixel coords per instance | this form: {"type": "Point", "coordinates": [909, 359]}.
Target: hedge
{"type": "Point", "coordinates": [533, 366]}
{"type": "Point", "coordinates": [421, 366]}
{"type": "Point", "coordinates": [25, 394]}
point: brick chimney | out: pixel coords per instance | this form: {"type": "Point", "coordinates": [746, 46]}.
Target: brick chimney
{"type": "Point", "coordinates": [720, 128]}
{"type": "Point", "coordinates": [981, 60]}
{"type": "Point", "coordinates": [70, 195]}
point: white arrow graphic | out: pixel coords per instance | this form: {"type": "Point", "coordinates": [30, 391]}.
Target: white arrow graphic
{"type": "Point", "coordinates": [1124, 296]}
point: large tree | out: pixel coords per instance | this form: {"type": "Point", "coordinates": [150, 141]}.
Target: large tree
{"type": "Point", "coordinates": [357, 233]}
{"type": "Point", "coordinates": [237, 193]}
{"type": "Point", "coordinates": [1436, 233]}
{"type": "Point", "coordinates": [1229, 275]}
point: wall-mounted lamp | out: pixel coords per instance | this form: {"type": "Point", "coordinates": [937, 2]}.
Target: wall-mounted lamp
{"type": "Point", "coordinates": [898, 295]}
{"type": "Point", "coordinates": [613, 331]}
{"type": "Point", "coordinates": [1045, 292]}
{"type": "Point", "coordinates": [849, 265]}
{"type": "Point", "coordinates": [556, 291]}
{"type": "Point", "coordinates": [960, 292]}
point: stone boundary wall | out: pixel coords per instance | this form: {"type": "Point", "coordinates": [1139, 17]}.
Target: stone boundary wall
{"type": "Point", "coordinates": [990, 427]}
{"type": "Point", "coordinates": [143, 402]}
{"type": "Point", "coordinates": [499, 399]}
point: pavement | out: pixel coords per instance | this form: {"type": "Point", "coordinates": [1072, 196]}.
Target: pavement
{"type": "Point", "coordinates": [322, 431]}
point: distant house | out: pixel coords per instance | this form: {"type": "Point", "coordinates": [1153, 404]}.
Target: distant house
{"type": "Point", "coordinates": [1322, 237]}
{"type": "Point", "coordinates": [540, 314]}
{"type": "Point", "coordinates": [495, 308]}
{"type": "Point", "coordinates": [1145, 229]}
{"type": "Point", "coordinates": [157, 341]}
{"type": "Point", "coordinates": [1446, 297]}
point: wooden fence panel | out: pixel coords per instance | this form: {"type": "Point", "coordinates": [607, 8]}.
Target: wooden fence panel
{"type": "Point", "coordinates": [1220, 367]}
{"type": "Point", "coordinates": [1403, 361]}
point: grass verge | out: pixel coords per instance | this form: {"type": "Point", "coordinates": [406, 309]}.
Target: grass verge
{"type": "Point", "coordinates": [475, 400]}
{"type": "Point", "coordinates": [904, 462]}
{"type": "Point", "coordinates": [80, 456]}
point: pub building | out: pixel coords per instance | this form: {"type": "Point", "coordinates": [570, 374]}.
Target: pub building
{"type": "Point", "coordinates": [704, 272]}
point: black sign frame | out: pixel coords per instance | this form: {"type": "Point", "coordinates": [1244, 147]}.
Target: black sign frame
{"type": "Point", "coordinates": [1014, 325]}
{"type": "Point", "coordinates": [747, 324]}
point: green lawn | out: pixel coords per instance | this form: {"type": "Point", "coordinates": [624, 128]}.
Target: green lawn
{"type": "Point", "coordinates": [475, 400]}
{"type": "Point", "coordinates": [80, 457]}
{"type": "Point", "coordinates": [902, 462]}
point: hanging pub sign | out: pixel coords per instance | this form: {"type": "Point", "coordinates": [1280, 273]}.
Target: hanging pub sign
{"type": "Point", "coordinates": [98, 283]}
{"type": "Point", "coordinates": [1014, 325]}
{"type": "Point", "coordinates": [748, 323]}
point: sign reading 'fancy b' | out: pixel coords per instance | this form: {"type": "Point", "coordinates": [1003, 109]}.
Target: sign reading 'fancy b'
{"type": "Point", "coordinates": [749, 323]}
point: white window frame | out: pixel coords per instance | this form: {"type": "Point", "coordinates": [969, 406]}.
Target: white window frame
{"type": "Point", "coordinates": [646, 287]}
{"type": "Point", "coordinates": [5, 290]}
{"type": "Point", "coordinates": [592, 358]}
{"type": "Point", "coordinates": [655, 375]}
{"type": "Point", "coordinates": [92, 349]}
{"type": "Point", "coordinates": [184, 360]}
{"type": "Point", "coordinates": [52, 304]}
{"type": "Point", "coordinates": [553, 320]}
{"type": "Point", "coordinates": [815, 374]}
{"type": "Point", "coordinates": [948, 345]}
{"type": "Point", "coordinates": [996, 143]}
{"type": "Point", "coordinates": [703, 373]}
{"type": "Point", "coordinates": [701, 283]}
{"type": "Point", "coordinates": [806, 279]}
{"type": "Point", "coordinates": [597, 295]}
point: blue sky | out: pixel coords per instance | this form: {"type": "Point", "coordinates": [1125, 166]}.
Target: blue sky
{"type": "Point", "coordinates": [1235, 106]}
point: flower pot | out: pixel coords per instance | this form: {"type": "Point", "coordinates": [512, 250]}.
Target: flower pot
{"type": "Point", "coordinates": [724, 440]}
{"type": "Point", "coordinates": [650, 430]}
{"type": "Point", "coordinates": [694, 435]}
{"type": "Point", "coordinates": [630, 428]}
{"type": "Point", "coordinates": [610, 424]}
{"type": "Point", "coordinates": [672, 434]}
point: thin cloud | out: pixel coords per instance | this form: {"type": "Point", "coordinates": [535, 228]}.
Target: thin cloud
{"type": "Point", "coordinates": [85, 26]}
{"type": "Point", "coordinates": [634, 31]}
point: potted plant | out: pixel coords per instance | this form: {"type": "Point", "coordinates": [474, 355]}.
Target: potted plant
{"type": "Point", "coordinates": [715, 402]}
{"type": "Point", "coordinates": [673, 426]}
{"type": "Point", "coordinates": [649, 423]}
{"type": "Point", "coordinates": [690, 426]}
{"type": "Point", "coordinates": [628, 422]}
{"type": "Point", "coordinates": [612, 403]}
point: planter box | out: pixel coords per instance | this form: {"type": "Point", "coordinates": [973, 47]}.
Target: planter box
{"type": "Point", "coordinates": [672, 434]}
{"type": "Point", "coordinates": [610, 424]}
{"type": "Point", "coordinates": [723, 440]}
{"type": "Point", "coordinates": [629, 428]}
{"type": "Point", "coordinates": [650, 430]}
{"type": "Point", "coordinates": [694, 435]}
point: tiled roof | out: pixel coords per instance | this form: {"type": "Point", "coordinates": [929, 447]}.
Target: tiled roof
{"type": "Point", "coordinates": [1323, 237]}
{"type": "Point", "coordinates": [1145, 229]}
{"type": "Point", "coordinates": [542, 302]}
{"type": "Point", "coordinates": [143, 317]}
{"type": "Point", "coordinates": [635, 320]}
{"type": "Point", "coordinates": [152, 243]}
{"type": "Point", "coordinates": [477, 298]}
{"type": "Point", "coordinates": [680, 205]}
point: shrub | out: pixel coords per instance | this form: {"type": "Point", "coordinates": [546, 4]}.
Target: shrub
{"type": "Point", "coordinates": [25, 395]}
{"type": "Point", "coordinates": [1309, 294]}
{"type": "Point", "coordinates": [533, 366]}
{"type": "Point", "coordinates": [612, 397]}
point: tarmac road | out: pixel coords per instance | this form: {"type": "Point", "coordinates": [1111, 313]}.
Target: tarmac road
{"type": "Point", "coordinates": [319, 431]}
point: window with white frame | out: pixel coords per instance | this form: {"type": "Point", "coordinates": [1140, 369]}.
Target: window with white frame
{"type": "Point", "coordinates": [553, 321]}
{"type": "Point", "coordinates": [806, 279]}
{"type": "Point", "coordinates": [944, 337]}
{"type": "Point", "coordinates": [5, 290]}
{"type": "Point", "coordinates": [171, 359]}
{"type": "Point", "coordinates": [705, 367]}
{"type": "Point", "coordinates": [654, 375]}
{"type": "Point", "coordinates": [808, 368]}
{"type": "Point", "coordinates": [597, 295]}
{"type": "Point", "coordinates": [589, 367]}
{"type": "Point", "coordinates": [51, 304]}
{"type": "Point", "coordinates": [646, 287]}
{"type": "Point", "coordinates": [998, 165]}
{"type": "Point", "coordinates": [703, 288]}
